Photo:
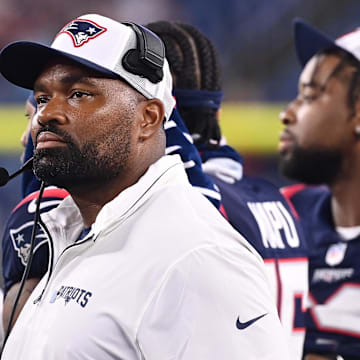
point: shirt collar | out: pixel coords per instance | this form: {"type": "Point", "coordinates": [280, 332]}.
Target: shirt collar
{"type": "Point", "coordinates": [168, 169]}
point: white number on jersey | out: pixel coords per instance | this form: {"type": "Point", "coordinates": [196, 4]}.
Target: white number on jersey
{"type": "Point", "coordinates": [340, 312]}
{"type": "Point", "coordinates": [289, 282]}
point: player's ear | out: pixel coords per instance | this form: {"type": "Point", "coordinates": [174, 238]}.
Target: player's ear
{"type": "Point", "coordinates": [153, 114]}
{"type": "Point", "coordinates": [218, 114]}
{"type": "Point", "coordinates": [357, 120]}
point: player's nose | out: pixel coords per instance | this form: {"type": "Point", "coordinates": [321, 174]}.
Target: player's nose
{"type": "Point", "coordinates": [288, 114]}
{"type": "Point", "coordinates": [53, 111]}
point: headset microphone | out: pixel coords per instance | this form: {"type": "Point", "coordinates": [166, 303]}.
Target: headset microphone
{"type": "Point", "coordinates": [5, 177]}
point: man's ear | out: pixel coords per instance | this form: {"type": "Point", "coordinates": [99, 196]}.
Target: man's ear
{"type": "Point", "coordinates": [357, 120]}
{"type": "Point", "coordinates": [153, 114]}
{"type": "Point", "coordinates": [218, 114]}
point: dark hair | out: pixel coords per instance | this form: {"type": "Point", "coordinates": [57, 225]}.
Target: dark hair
{"type": "Point", "coordinates": [346, 59]}
{"type": "Point", "coordinates": [194, 64]}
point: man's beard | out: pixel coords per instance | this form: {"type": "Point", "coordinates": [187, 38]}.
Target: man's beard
{"type": "Point", "coordinates": [69, 166]}
{"type": "Point", "coordinates": [311, 166]}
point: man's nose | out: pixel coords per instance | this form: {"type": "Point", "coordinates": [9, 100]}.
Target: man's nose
{"type": "Point", "coordinates": [53, 111]}
{"type": "Point", "coordinates": [288, 115]}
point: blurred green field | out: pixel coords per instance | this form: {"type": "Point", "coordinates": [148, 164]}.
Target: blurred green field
{"type": "Point", "coordinates": [12, 125]}
{"type": "Point", "coordinates": [251, 128]}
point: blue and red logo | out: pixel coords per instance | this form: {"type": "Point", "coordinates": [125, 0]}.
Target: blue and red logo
{"type": "Point", "coordinates": [82, 31]}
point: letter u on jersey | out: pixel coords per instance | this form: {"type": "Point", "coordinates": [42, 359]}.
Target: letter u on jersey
{"type": "Point", "coordinates": [276, 225]}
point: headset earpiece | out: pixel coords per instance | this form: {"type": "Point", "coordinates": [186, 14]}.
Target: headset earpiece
{"type": "Point", "coordinates": [147, 59]}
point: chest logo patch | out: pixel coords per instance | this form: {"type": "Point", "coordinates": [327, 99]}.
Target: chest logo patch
{"type": "Point", "coordinates": [335, 254]}
{"type": "Point", "coordinates": [71, 294]}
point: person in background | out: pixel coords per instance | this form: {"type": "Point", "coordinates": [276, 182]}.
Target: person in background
{"type": "Point", "coordinates": [29, 183]}
{"type": "Point", "coordinates": [320, 145]}
{"type": "Point", "coordinates": [253, 206]}
{"type": "Point", "coordinates": [143, 261]}
{"type": "Point", "coordinates": [30, 109]}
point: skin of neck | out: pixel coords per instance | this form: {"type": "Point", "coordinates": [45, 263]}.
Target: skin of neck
{"type": "Point", "coordinates": [345, 201]}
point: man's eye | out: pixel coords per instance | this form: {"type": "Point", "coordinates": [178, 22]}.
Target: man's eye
{"type": "Point", "coordinates": [309, 98]}
{"type": "Point", "coordinates": [79, 94]}
{"type": "Point", "coordinates": [42, 99]}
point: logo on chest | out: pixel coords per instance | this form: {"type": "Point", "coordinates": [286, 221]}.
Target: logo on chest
{"type": "Point", "coordinates": [335, 254]}
{"type": "Point", "coordinates": [71, 294]}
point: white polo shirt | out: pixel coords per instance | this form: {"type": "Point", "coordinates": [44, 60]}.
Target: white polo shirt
{"type": "Point", "coordinates": [160, 276]}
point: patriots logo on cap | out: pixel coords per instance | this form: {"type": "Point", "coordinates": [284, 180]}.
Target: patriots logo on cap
{"type": "Point", "coordinates": [82, 31]}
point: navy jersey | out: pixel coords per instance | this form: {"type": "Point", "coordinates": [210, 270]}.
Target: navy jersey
{"type": "Point", "coordinates": [332, 319]}
{"type": "Point", "coordinates": [258, 211]}
{"type": "Point", "coordinates": [17, 236]}
{"type": "Point", "coordinates": [179, 141]}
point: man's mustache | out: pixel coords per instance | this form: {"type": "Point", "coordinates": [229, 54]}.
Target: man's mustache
{"type": "Point", "coordinates": [61, 133]}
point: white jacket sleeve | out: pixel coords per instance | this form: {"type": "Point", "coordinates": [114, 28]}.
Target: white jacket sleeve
{"type": "Point", "coordinates": [214, 303]}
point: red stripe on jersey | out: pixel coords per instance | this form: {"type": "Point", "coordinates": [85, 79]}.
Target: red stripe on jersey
{"type": "Point", "coordinates": [50, 192]}
{"type": "Point", "coordinates": [223, 212]}
{"type": "Point", "coordinates": [294, 259]}
{"type": "Point", "coordinates": [288, 192]}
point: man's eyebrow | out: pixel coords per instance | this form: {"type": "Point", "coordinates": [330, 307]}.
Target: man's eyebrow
{"type": "Point", "coordinates": [311, 84]}
{"type": "Point", "coordinates": [67, 80]}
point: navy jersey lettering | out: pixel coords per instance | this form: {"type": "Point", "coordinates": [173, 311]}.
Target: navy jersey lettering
{"type": "Point", "coordinates": [275, 223]}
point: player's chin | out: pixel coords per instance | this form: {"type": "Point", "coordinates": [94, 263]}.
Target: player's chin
{"type": "Point", "coordinates": [50, 156]}
{"type": "Point", "coordinates": [50, 152]}
{"type": "Point", "coordinates": [286, 164]}
{"type": "Point", "coordinates": [285, 154]}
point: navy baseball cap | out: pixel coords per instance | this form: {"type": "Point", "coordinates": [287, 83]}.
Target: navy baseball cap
{"type": "Point", "coordinates": [309, 41]}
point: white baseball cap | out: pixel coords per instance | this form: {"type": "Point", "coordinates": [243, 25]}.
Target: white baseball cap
{"type": "Point", "coordinates": [99, 43]}
{"type": "Point", "coordinates": [309, 41]}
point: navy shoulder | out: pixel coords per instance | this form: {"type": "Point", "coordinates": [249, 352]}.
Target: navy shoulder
{"type": "Point", "coordinates": [256, 209]}
{"type": "Point", "coordinates": [304, 197]}
{"type": "Point", "coordinates": [259, 187]}
{"type": "Point", "coordinates": [17, 236]}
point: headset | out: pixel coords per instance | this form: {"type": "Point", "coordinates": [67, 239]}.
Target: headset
{"type": "Point", "coordinates": [147, 60]}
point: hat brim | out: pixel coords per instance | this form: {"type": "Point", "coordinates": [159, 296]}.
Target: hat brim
{"type": "Point", "coordinates": [22, 62]}
{"type": "Point", "coordinates": [309, 41]}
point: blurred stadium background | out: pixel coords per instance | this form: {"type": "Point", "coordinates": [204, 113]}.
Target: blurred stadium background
{"type": "Point", "coordinates": [254, 39]}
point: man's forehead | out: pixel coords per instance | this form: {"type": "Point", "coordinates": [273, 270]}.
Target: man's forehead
{"type": "Point", "coordinates": [318, 70]}
{"type": "Point", "coordinates": [69, 72]}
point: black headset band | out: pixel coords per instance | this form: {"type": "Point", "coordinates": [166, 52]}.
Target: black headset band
{"type": "Point", "coordinates": [147, 59]}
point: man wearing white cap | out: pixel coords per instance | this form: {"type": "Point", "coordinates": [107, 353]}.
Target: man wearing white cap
{"type": "Point", "coordinates": [144, 266]}
{"type": "Point", "coordinates": [321, 145]}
